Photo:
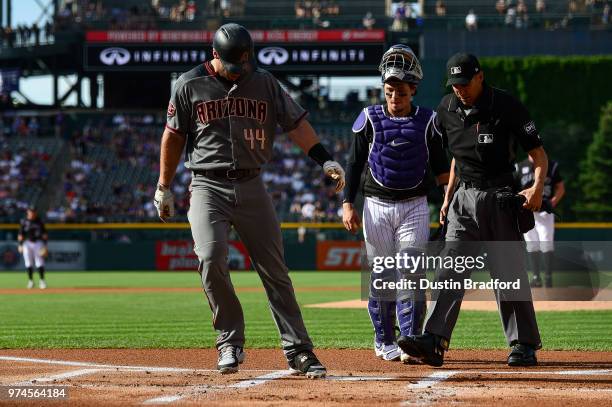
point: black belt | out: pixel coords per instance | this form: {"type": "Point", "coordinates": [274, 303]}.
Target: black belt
{"type": "Point", "coordinates": [503, 180]}
{"type": "Point", "coordinates": [230, 175]}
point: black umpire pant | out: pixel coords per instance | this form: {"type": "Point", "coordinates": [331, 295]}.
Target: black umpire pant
{"type": "Point", "coordinates": [474, 216]}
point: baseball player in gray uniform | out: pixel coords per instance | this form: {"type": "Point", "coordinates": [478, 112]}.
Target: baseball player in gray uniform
{"type": "Point", "coordinates": [225, 114]}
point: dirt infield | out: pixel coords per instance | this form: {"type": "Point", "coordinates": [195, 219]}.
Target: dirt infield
{"type": "Point", "coordinates": [186, 376]}
{"type": "Point", "coordinates": [132, 290]}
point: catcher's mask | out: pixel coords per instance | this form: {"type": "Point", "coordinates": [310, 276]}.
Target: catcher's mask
{"type": "Point", "coordinates": [232, 41]}
{"type": "Point", "coordinates": [400, 63]}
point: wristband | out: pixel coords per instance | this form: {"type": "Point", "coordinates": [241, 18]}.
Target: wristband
{"type": "Point", "coordinates": [319, 154]}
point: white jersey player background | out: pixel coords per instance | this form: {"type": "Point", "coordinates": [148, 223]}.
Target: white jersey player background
{"type": "Point", "coordinates": [540, 239]}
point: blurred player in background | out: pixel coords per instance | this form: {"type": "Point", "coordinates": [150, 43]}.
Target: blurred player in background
{"type": "Point", "coordinates": [32, 240]}
{"type": "Point", "coordinates": [540, 239]}
{"type": "Point", "coordinates": [391, 140]}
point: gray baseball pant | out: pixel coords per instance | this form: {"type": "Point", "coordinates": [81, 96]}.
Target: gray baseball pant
{"type": "Point", "coordinates": [215, 206]}
{"type": "Point", "coordinates": [475, 216]}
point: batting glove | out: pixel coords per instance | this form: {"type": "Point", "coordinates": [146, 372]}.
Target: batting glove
{"type": "Point", "coordinates": [164, 202]}
{"type": "Point", "coordinates": [335, 171]}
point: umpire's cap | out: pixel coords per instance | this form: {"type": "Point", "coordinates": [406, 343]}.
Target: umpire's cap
{"type": "Point", "coordinates": [231, 41]}
{"type": "Point", "coordinates": [460, 69]}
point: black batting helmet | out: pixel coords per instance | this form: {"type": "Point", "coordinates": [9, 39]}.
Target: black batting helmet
{"type": "Point", "coordinates": [231, 41]}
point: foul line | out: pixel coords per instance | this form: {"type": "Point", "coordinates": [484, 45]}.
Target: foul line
{"type": "Point", "coordinates": [243, 384]}
{"type": "Point", "coordinates": [433, 379]}
{"type": "Point", "coordinates": [61, 376]}
{"type": "Point", "coordinates": [116, 367]}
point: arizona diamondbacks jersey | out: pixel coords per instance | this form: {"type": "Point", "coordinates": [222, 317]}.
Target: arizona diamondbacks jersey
{"type": "Point", "coordinates": [229, 125]}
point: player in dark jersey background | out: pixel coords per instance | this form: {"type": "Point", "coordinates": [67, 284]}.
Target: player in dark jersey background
{"type": "Point", "coordinates": [224, 114]}
{"type": "Point", "coordinates": [540, 239]}
{"type": "Point", "coordinates": [32, 239]}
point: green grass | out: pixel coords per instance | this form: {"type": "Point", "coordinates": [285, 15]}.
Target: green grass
{"type": "Point", "coordinates": [183, 319]}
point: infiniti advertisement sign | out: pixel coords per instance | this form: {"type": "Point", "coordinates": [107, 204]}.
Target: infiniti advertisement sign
{"type": "Point", "coordinates": [283, 57]}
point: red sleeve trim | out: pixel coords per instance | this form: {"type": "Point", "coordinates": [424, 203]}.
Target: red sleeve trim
{"type": "Point", "coordinates": [297, 122]}
{"type": "Point", "coordinates": [209, 68]}
{"type": "Point", "coordinates": [175, 131]}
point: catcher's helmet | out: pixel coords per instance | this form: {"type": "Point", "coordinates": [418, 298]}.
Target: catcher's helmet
{"type": "Point", "coordinates": [400, 63]}
{"type": "Point", "coordinates": [231, 41]}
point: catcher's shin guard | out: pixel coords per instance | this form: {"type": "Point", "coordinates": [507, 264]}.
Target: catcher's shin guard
{"type": "Point", "coordinates": [410, 315]}
{"type": "Point", "coordinates": [382, 314]}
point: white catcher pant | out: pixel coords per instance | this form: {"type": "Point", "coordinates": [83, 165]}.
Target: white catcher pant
{"type": "Point", "coordinates": [31, 253]}
{"type": "Point", "coordinates": [542, 236]}
{"type": "Point", "coordinates": [390, 226]}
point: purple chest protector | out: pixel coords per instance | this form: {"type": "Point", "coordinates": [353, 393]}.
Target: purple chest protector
{"type": "Point", "coordinates": [398, 150]}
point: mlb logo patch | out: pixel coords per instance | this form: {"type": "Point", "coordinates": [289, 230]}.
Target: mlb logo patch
{"type": "Point", "coordinates": [455, 70]}
{"type": "Point", "coordinates": [530, 127]}
{"type": "Point", "coordinates": [485, 138]}
{"type": "Point", "coordinates": [171, 110]}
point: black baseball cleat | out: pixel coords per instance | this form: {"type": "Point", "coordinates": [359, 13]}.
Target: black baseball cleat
{"type": "Point", "coordinates": [428, 348]}
{"type": "Point", "coordinates": [230, 357]}
{"type": "Point", "coordinates": [306, 363]}
{"type": "Point", "coordinates": [522, 355]}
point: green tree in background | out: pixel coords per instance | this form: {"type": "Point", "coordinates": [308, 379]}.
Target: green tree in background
{"type": "Point", "coordinates": [595, 203]}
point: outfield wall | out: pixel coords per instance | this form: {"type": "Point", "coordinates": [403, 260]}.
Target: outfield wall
{"type": "Point", "coordinates": [169, 248]}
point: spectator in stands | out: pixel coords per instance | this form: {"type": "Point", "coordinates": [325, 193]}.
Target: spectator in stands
{"type": "Point", "coordinates": [440, 8]}
{"type": "Point", "coordinates": [521, 14]}
{"type": "Point", "coordinates": [540, 6]}
{"type": "Point", "coordinates": [605, 14]}
{"type": "Point", "coordinates": [368, 21]}
{"type": "Point", "coordinates": [400, 18]}
{"type": "Point", "coordinates": [192, 10]}
{"type": "Point", "coordinates": [510, 19]}
{"type": "Point", "coordinates": [500, 7]}
{"type": "Point", "coordinates": [471, 21]}
{"type": "Point", "coordinates": [300, 10]}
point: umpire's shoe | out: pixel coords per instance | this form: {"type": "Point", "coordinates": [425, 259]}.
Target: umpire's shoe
{"type": "Point", "coordinates": [230, 357]}
{"type": "Point", "coordinates": [306, 363]}
{"type": "Point", "coordinates": [522, 355]}
{"type": "Point", "coordinates": [428, 348]}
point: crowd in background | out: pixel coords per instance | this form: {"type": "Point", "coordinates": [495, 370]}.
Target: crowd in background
{"type": "Point", "coordinates": [401, 16]}
{"type": "Point", "coordinates": [93, 189]}
{"type": "Point", "coordinates": [142, 15]}
{"type": "Point", "coordinates": [20, 170]}
{"type": "Point", "coordinates": [24, 35]}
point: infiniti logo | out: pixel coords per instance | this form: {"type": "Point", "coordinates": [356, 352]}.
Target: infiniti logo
{"type": "Point", "coordinates": [273, 56]}
{"type": "Point", "coordinates": [119, 56]}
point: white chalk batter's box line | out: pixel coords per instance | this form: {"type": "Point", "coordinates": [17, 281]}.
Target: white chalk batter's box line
{"type": "Point", "coordinates": [434, 378]}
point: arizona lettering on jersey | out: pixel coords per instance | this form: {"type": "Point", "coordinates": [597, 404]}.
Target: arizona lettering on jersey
{"type": "Point", "coordinates": [240, 107]}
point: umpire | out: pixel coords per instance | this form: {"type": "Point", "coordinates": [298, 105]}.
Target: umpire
{"type": "Point", "coordinates": [482, 127]}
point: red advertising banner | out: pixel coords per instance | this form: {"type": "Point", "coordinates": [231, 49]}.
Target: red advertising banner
{"type": "Point", "coordinates": [179, 255]}
{"type": "Point", "coordinates": [339, 255]}
{"type": "Point", "coordinates": [259, 36]}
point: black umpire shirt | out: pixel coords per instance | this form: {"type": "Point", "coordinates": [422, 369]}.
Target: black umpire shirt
{"type": "Point", "coordinates": [483, 139]}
